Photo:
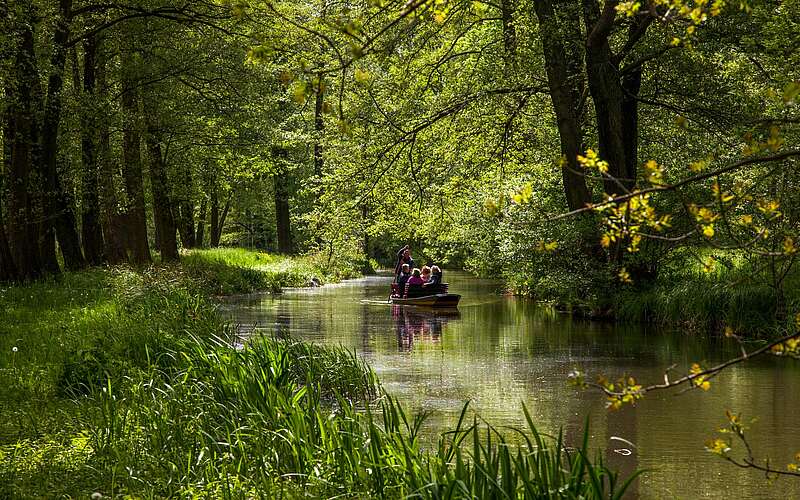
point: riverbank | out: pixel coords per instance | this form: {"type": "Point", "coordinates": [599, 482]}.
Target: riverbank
{"type": "Point", "coordinates": [119, 381]}
{"type": "Point", "coordinates": [685, 293]}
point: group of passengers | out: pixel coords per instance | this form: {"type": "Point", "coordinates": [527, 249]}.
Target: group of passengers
{"type": "Point", "coordinates": [407, 274]}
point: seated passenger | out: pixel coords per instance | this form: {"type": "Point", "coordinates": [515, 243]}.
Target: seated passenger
{"type": "Point", "coordinates": [436, 277]}
{"type": "Point", "coordinates": [426, 274]}
{"type": "Point", "coordinates": [414, 280]}
{"type": "Point", "coordinates": [402, 278]}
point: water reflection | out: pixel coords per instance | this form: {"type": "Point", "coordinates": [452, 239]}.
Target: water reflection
{"type": "Point", "coordinates": [413, 324]}
{"type": "Point", "coordinates": [500, 352]}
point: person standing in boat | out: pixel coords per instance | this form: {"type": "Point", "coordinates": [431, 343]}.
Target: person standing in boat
{"type": "Point", "coordinates": [403, 257]}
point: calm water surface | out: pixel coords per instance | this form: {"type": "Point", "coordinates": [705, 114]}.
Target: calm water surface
{"type": "Point", "coordinates": [500, 352]}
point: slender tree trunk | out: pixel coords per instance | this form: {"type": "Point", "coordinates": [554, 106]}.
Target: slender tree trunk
{"type": "Point", "coordinates": [162, 207]}
{"type": "Point", "coordinates": [44, 230]}
{"type": "Point", "coordinates": [562, 78]}
{"type": "Point", "coordinates": [223, 216]}
{"type": "Point", "coordinates": [319, 127]}
{"type": "Point", "coordinates": [216, 230]}
{"type": "Point", "coordinates": [282, 216]}
{"type": "Point", "coordinates": [22, 235]}
{"type": "Point", "coordinates": [57, 204]}
{"type": "Point", "coordinates": [282, 209]}
{"type": "Point", "coordinates": [8, 270]}
{"type": "Point", "coordinates": [113, 224]}
{"type": "Point", "coordinates": [186, 211]}
{"type": "Point", "coordinates": [91, 231]}
{"type": "Point", "coordinates": [509, 35]}
{"type": "Point", "coordinates": [135, 214]}
{"type": "Point", "coordinates": [201, 223]}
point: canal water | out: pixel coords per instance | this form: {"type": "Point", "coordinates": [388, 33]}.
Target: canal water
{"type": "Point", "coordinates": [501, 352]}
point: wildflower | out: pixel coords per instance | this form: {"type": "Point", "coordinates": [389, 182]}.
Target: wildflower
{"type": "Point", "coordinates": [14, 349]}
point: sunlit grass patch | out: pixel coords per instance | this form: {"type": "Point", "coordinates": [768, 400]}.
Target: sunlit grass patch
{"type": "Point", "coordinates": [237, 270]}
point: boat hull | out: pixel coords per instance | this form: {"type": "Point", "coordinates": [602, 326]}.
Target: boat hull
{"type": "Point", "coordinates": [438, 300]}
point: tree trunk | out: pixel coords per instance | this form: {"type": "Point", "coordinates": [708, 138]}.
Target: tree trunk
{"type": "Point", "coordinates": [509, 35]}
{"type": "Point", "coordinates": [22, 236]}
{"type": "Point", "coordinates": [8, 270]}
{"type": "Point", "coordinates": [319, 128]}
{"type": "Point", "coordinates": [201, 223]}
{"type": "Point", "coordinates": [162, 207]}
{"type": "Point", "coordinates": [282, 209]}
{"type": "Point", "coordinates": [224, 215]}
{"type": "Point", "coordinates": [91, 231]}
{"type": "Point", "coordinates": [113, 222]}
{"type": "Point", "coordinates": [562, 79]}
{"type": "Point", "coordinates": [186, 212]}
{"type": "Point", "coordinates": [132, 169]}
{"type": "Point", "coordinates": [58, 208]}
{"type": "Point", "coordinates": [602, 72]}
{"type": "Point", "coordinates": [631, 83]}
{"type": "Point", "coordinates": [216, 230]}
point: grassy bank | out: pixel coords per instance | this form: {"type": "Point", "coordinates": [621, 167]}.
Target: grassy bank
{"type": "Point", "coordinates": [224, 271]}
{"type": "Point", "coordinates": [123, 382]}
{"type": "Point", "coordinates": [684, 293]}
{"type": "Point", "coordinates": [732, 294]}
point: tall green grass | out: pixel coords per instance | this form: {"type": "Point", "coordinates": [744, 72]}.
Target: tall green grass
{"type": "Point", "coordinates": [243, 424]}
{"type": "Point", "coordinates": [733, 295]}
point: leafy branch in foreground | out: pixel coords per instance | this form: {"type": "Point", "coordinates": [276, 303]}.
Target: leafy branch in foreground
{"type": "Point", "coordinates": [723, 448]}
{"type": "Point", "coordinates": [627, 391]}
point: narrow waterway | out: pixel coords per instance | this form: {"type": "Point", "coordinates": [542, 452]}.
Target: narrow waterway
{"type": "Point", "coordinates": [501, 352]}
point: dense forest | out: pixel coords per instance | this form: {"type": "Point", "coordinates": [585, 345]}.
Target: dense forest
{"type": "Point", "coordinates": [637, 161]}
{"type": "Point", "coordinates": [459, 127]}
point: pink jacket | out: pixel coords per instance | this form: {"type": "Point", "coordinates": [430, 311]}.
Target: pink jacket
{"type": "Point", "coordinates": [415, 280]}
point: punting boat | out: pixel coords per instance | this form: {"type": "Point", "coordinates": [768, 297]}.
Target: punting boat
{"type": "Point", "coordinates": [435, 296]}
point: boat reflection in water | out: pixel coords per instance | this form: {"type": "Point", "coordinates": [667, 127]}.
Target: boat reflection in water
{"type": "Point", "coordinates": [415, 324]}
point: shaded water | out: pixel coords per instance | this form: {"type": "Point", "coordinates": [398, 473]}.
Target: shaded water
{"type": "Point", "coordinates": [500, 351]}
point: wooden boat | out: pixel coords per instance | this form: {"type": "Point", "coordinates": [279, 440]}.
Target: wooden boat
{"type": "Point", "coordinates": [436, 296]}
{"type": "Point", "coordinates": [438, 300]}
